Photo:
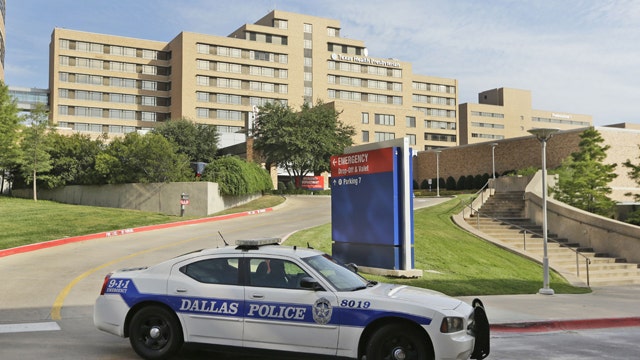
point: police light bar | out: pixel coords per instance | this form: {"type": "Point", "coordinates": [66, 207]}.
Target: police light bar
{"type": "Point", "coordinates": [254, 243]}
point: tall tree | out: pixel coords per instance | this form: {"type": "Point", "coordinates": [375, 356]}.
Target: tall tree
{"type": "Point", "coordinates": [73, 160]}
{"type": "Point", "coordinates": [300, 142]}
{"type": "Point", "coordinates": [35, 145]}
{"type": "Point", "coordinates": [584, 178]}
{"type": "Point", "coordinates": [634, 173]}
{"type": "Point", "coordinates": [142, 158]}
{"type": "Point", "coordinates": [9, 133]}
{"type": "Point", "coordinates": [198, 141]}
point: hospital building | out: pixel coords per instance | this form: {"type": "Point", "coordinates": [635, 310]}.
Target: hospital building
{"type": "Point", "coordinates": [102, 83]}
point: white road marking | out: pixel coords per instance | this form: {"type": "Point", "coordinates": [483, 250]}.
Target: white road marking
{"type": "Point", "coordinates": [29, 327]}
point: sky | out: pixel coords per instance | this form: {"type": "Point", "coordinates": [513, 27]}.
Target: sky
{"type": "Point", "coordinates": [575, 56]}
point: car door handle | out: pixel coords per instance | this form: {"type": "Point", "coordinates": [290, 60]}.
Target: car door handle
{"type": "Point", "coordinates": [181, 290]}
{"type": "Point", "coordinates": [257, 296]}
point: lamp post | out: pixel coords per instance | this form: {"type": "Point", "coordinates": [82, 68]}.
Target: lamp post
{"type": "Point", "coordinates": [493, 160]}
{"type": "Point", "coordinates": [543, 136]}
{"type": "Point", "coordinates": [438, 172]}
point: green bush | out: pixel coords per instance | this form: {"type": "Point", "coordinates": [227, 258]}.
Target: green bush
{"type": "Point", "coordinates": [237, 177]}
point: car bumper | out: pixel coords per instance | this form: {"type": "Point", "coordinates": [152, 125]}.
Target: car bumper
{"type": "Point", "coordinates": [109, 314]}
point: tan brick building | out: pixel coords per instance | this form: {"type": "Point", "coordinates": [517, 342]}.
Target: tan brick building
{"type": "Point", "coordinates": [505, 113]}
{"type": "Point", "coordinates": [109, 84]}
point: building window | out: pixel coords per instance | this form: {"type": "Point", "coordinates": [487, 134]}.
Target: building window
{"type": "Point", "coordinates": [149, 70]}
{"type": "Point", "coordinates": [385, 119]}
{"type": "Point", "coordinates": [365, 118]}
{"type": "Point", "coordinates": [202, 113]}
{"type": "Point", "coordinates": [202, 48]}
{"type": "Point", "coordinates": [411, 121]}
{"type": "Point", "coordinates": [150, 54]}
{"type": "Point", "coordinates": [333, 32]}
{"type": "Point", "coordinates": [229, 115]}
{"type": "Point", "coordinates": [308, 28]}
{"type": "Point", "coordinates": [202, 96]}
{"type": "Point", "coordinates": [280, 24]}
{"type": "Point", "coordinates": [149, 116]}
{"type": "Point", "coordinates": [202, 80]}
{"type": "Point", "coordinates": [202, 64]}
{"type": "Point", "coordinates": [365, 136]}
{"type": "Point", "coordinates": [149, 85]}
{"type": "Point", "coordinates": [383, 136]}
{"type": "Point", "coordinates": [412, 139]}
{"type": "Point", "coordinates": [149, 101]}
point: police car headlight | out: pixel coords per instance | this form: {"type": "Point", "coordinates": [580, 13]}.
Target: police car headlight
{"type": "Point", "coordinates": [451, 324]}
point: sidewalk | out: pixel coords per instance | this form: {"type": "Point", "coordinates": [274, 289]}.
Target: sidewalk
{"type": "Point", "coordinates": [604, 307]}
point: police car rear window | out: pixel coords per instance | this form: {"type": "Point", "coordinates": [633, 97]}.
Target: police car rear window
{"type": "Point", "coordinates": [222, 271]}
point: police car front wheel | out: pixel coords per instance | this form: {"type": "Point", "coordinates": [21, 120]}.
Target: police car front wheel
{"type": "Point", "coordinates": [155, 333]}
{"type": "Point", "coordinates": [396, 342]}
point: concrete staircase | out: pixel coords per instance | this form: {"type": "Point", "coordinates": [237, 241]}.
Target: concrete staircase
{"type": "Point", "coordinates": [502, 218]}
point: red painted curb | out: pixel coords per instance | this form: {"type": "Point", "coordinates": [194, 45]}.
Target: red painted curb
{"type": "Point", "coordinates": [560, 325]}
{"type": "Point", "coordinates": [74, 239]}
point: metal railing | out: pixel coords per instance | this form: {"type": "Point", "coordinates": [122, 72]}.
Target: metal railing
{"type": "Point", "coordinates": [479, 214]}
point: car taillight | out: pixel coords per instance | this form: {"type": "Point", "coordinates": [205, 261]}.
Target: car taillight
{"type": "Point", "coordinates": [105, 283]}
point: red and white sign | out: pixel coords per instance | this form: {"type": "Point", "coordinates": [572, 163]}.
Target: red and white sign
{"type": "Point", "coordinates": [311, 182]}
{"type": "Point", "coordinates": [362, 163]}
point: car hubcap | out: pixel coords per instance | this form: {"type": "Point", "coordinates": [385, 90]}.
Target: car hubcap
{"type": "Point", "coordinates": [399, 354]}
{"type": "Point", "coordinates": [154, 332]}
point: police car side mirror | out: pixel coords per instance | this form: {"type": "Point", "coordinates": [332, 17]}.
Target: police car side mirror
{"type": "Point", "coordinates": [310, 283]}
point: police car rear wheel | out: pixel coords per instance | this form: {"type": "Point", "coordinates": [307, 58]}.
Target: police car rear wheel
{"type": "Point", "coordinates": [155, 333]}
{"type": "Point", "coordinates": [396, 342]}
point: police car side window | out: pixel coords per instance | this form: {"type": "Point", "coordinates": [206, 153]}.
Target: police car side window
{"type": "Point", "coordinates": [213, 271]}
{"type": "Point", "coordinates": [275, 273]}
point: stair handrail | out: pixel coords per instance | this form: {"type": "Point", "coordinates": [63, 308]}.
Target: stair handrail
{"type": "Point", "coordinates": [478, 195]}
{"type": "Point", "coordinates": [587, 259]}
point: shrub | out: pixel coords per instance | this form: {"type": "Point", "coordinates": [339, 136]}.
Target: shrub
{"type": "Point", "coordinates": [236, 176]}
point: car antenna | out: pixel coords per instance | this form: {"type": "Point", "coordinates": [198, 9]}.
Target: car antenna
{"type": "Point", "coordinates": [223, 240]}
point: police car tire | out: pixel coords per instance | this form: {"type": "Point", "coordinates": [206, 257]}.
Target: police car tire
{"type": "Point", "coordinates": [167, 333]}
{"type": "Point", "coordinates": [392, 337]}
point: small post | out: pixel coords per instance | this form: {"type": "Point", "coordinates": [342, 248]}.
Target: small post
{"type": "Point", "coordinates": [184, 200]}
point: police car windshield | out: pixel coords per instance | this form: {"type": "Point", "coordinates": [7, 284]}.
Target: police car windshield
{"type": "Point", "coordinates": [341, 278]}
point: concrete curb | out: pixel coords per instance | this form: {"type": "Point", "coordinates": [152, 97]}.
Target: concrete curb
{"type": "Point", "coordinates": [74, 239]}
{"type": "Point", "coordinates": [564, 325]}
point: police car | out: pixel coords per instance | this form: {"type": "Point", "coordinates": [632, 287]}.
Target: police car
{"type": "Point", "coordinates": [265, 296]}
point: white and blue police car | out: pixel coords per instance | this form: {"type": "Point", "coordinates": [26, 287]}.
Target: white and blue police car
{"type": "Point", "coordinates": [263, 296]}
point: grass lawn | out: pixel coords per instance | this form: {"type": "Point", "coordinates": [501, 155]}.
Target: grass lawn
{"type": "Point", "coordinates": [24, 221]}
{"type": "Point", "coordinates": [454, 261]}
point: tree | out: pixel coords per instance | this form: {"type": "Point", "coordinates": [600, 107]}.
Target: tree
{"type": "Point", "coordinates": [634, 174]}
{"type": "Point", "coordinates": [142, 159]}
{"type": "Point", "coordinates": [583, 178]}
{"type": "Point", "coordinates": [73, 160]}
{"type": "Point", "coordinates": [198, 141]}
{"type": "Point", "coordinates": [300, 142]}
{"type": "Point", "coordinates": [9, 133]}
{"type": "Point", "coordinates": [35, 145]}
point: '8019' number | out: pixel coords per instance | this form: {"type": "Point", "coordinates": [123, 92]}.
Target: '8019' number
{"type": "Point", "coordinates": [355, 304]}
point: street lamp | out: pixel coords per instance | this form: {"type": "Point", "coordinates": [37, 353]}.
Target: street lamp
{"type": "Point", "coordinates": [438, 172]}
{"type": "Point", "coordinates": [493, 160]}
{"type": "Point", "coordinates": [543, 136]}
